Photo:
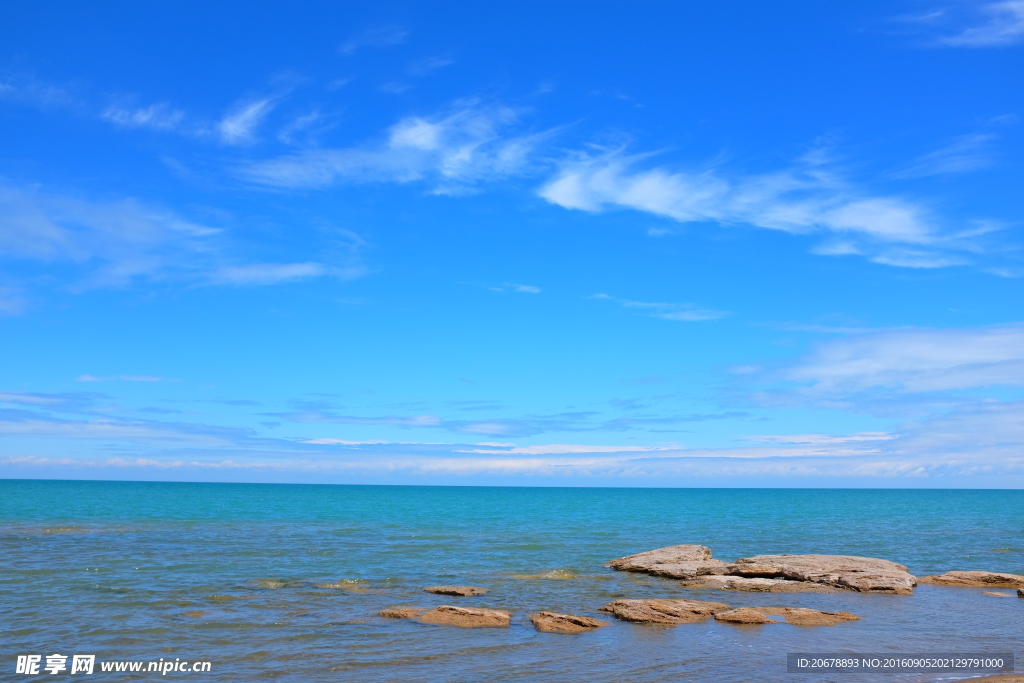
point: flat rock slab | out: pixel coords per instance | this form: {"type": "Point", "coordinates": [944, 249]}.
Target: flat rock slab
{"type": "Point", "coordinates": [456, 590]}
{"type": "Point", "coordinates": [797, 616]}
{"type": "Point", "coordinates": [975, 580]}
{"type": "Point", "coordinates": [782, 573]}
{"type": "Point", "coordinates": [467, 617]}
{"type": "Point", "coordinates": [676, 562]}
{"type": "Point", "coordinates": [993, 594]}
{"type": "Point", "coordinates": [758, 585]}
{"type": "Point", "coordinates": [664, 611]}
{"type": "Point", "coordinates": [402, 612]}
{"type": "Point", "coordinates": [863, 574]}
{"type": "Point", "coordinates": [552, 622]}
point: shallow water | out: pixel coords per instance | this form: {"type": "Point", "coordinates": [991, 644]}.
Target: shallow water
{"type": "Point", "coordinates": [284, 581]}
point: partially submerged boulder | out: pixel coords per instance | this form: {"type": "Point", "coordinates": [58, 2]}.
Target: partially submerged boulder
{"type": "Point", "coordinates": [676, 561]}
{"type": "Point", "coordinates": [863, 574]}
{"type": "Point", "coordinates": [456, 590]}
{"type": "Point", "coordinates": [798, 616]}
{"type": "Point", "coordinates": [744, 615]}
{"type": "Point", "coordinates": [993, 594]}
{"type": "Point", "coordinates": [758, 585]}
{"type": "Point", "coordinates": [975, 579]}
{"type": "Point", "coordinates": [658, 611]}
{"type": "Point", "coordinates": [402, 612]}
{"type": "Point", "coordinates": [1020, 592]}
{"type": "Point", "coordinates": [552, 622]}
{"type": "Point", "coordinates": [467, 617]}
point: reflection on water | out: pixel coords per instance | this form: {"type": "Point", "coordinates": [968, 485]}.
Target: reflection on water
{"type": "Point", "coordinates": [285, 582]}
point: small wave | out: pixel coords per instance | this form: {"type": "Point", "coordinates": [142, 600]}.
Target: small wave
{"type": "Point", "coordinates": [554, 574]}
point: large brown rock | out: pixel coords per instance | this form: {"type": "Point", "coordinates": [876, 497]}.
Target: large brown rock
{"type": "Point", "coordinates": [552, 622]}
{"type": "Point", "coordinates": [676, 561]}
{"type": "Point", "coordinates": [758, 585]}
{"type": "Point", "coordinates": [863, 574]}
{"type": "Point", "coordinates": [456, 590]}
{"type": "Point", "coordinates": [975, 580]}
{"type": "Point", "coordinates": [466, 617]}
{"type": "Point", "coordinates": [1020, 592]}
{"type": "Point", "coordinates": [658, 611]}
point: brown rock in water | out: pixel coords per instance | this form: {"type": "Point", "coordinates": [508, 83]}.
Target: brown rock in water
{"type": "Point", "coordinates": [552, 622]}
{"type": "Point", "coordinates": [1020, 592]}
{"type": "Point", "coordinates": [975, 580]}
{"type": "Point", "coordinates": [744, 615]}
{"type": "Point", "coordinates": [664, 611]}
{"type": "Point", "coordinates": [402, 612]}
{"type": "Point", "coordinates": [993, 594]}
{"type": "Point", "coordinates": [676, 561]}
{"type": "Point", "coordinates": [456, 590]}
{"type": "Point", "coordinates": [863, 574]}
{"type": "Point", "coordinates": [801, 616]}
{"type": "Point", "coordinates": [466, 617]}
{"type": "Point", "coordinates": [798, 616]}
{"type": "Point", "coordinates": [758, 585]}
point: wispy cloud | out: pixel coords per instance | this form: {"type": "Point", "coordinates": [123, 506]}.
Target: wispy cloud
{"type": "Point", "coordinates": [914, 360]}
{"type": "Point", "coordinates": [158, 116]}
{"type": "Point", "coordinates": [668, 311]}
{"type": "Point", "coordinates": [452, 151]}
{"type": "Point", "coordinates": [1002, 25]}
{"type": "Point", "coordinates": [513, 287]}
{"type": "Point", "coordinates": [378, 36]}
{"type": "Point", "coordinates": [239, 125]}
{"type": "Point", "coordinates": [966, 153]}
{"type": "Point", "coordinates": [123, 378]}
{"type": "Point", "coordinates": [275, 273]}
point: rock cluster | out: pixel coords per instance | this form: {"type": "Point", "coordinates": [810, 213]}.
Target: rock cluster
{"type": "Point", "coordinates": [552, 622]}
{"type": "Point", "coordinates": [772, 573]}
{"type": "Point", "coordinates": [975, 580]}
{"type": "Point", "coordinates": [456, 590]}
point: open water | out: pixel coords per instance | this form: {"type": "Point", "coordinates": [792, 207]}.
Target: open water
{"type": "Point", "coordinates": [285, 581]}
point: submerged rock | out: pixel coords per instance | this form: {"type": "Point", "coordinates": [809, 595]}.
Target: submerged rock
{"type": "Point", "coordinates": [466, 617]}
{"type": "Point", "coordinates": [993, 594]}
{"type": "Point", "coordinates": [456, 590]}
{"type": "Point", "coordinates": [863, 574]}
{"type": "Point", "coordinates": [552, 622]}
{"type": "Point", "coordinates": [658, 611]}
{"type": "Point", "coordinates": [975, 580]}
{"type": "Point", "coordinates": [801, 616]}
{"type": "Point", "coordinates": [758, 585]}
{"type": "Point", "coordinates": [677, 562]}
{"type": "Point", "coordinates": [402, 612]}
{"type": "Point", "coordinates": [798, 616]}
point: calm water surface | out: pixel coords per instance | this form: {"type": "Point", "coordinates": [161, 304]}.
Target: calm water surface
{"type": "Point", "coordinates": [284, 581]}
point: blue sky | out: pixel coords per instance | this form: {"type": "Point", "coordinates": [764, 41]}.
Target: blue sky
{"type": "Point", "coordinates": [639, 244]}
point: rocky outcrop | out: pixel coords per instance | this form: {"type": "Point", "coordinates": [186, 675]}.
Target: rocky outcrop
{"type": "Point", "coordinates": [758, 585]}
{"type": "Point", "coordinates": [402, 612]}
{"type": "Point", "coordinates": [456, 590]}
{"type": "Point", "coordinates": [552, 622]}
{"type": "Point", "coordinates": [797, 616]}
{"type": "Point", "coordinates": [467, 617]}
{"type": "Point", "coordinates": [975, 580]}
{"type": "Point", "coordinates": [676, 562]}
{"type": "Point", "coordinates": [862, 574]}
{"type": "Point", "coordinates": [1020, 592]}
{"type": "Point", "coordinates": [664, 611]}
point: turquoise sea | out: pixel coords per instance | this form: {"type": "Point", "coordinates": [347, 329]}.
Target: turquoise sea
{"type": "Point", "coordinates": [284, 581]}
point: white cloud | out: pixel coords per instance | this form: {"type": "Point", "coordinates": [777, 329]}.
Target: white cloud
{"type": "Point", "coordinates": [115, 241]}
{"type": "Point", "coordinates": [453, 151]}
{"type": "Point", "coordinates": [159, 116]}
{"type": "Point", "coordinates": [269, 273]}
{"type": "Point", "coordinates": [915, 360]}
{"type": "Point", "coordinates": [668, 311]}
{"type": "Point", "coordinates": [379, 36]}
{"type": "Point", "coordinates": [123, 378]}
{"type": "Point", "coordinates": [966, 153]}
{"type": "Point", "coordinates": [513, 287]}
{"type": "Point", "coordinates": [1004, 26]}
{"type": "Point", "coordinates": [556, 448]}
{"type": "Point", "coordinates": [821, 439]}
{"type": "Point", "coordinates": [239, 126]}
